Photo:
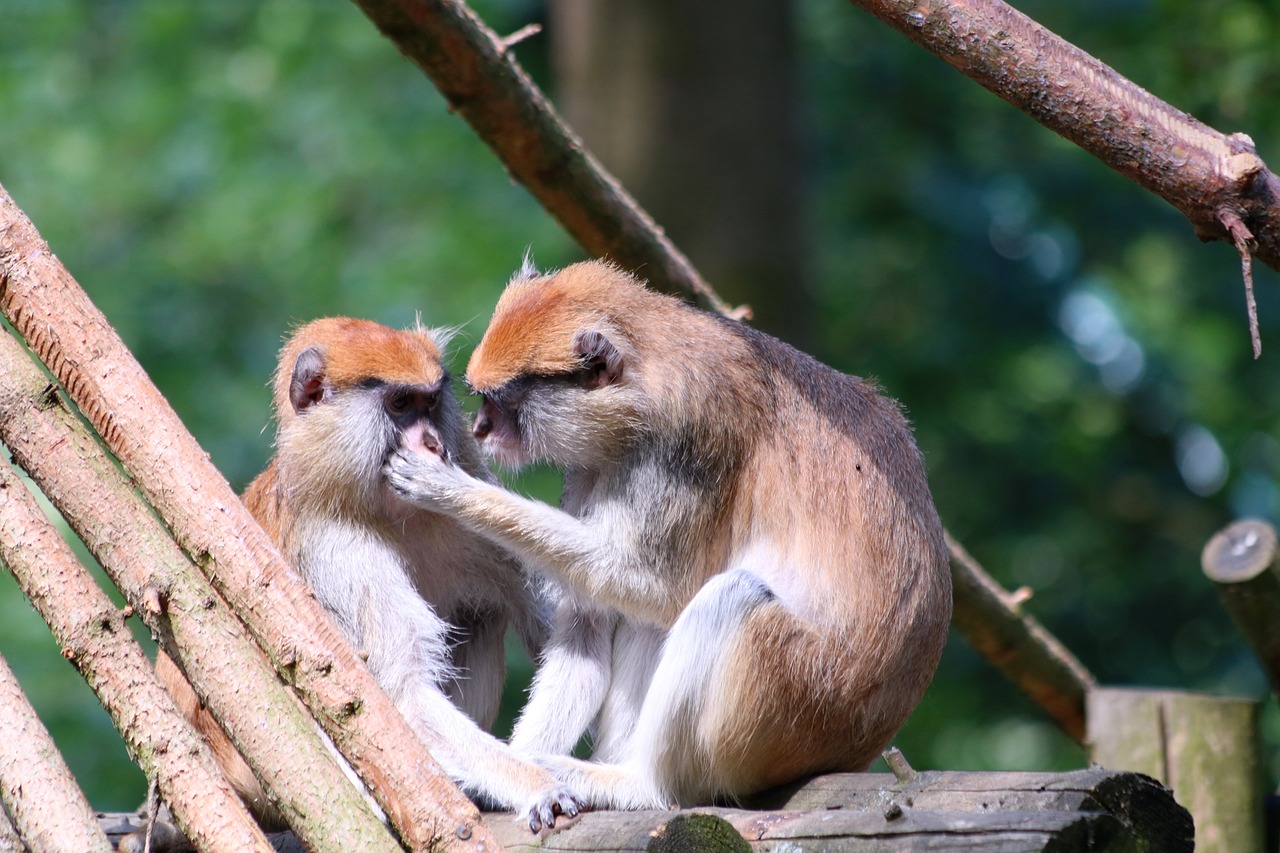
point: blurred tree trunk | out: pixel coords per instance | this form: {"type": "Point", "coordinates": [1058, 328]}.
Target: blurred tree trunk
{"type": "Point", "coordinates": [695, 111]}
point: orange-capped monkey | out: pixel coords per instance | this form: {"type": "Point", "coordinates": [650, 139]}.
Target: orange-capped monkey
{"type": "Point", "coordinates": [753, 580]}
{"type": "Point", "coordinates": [424, 600]}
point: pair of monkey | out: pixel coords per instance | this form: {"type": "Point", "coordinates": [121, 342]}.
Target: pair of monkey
{"type": "Point", "coordinates": [746, 579]}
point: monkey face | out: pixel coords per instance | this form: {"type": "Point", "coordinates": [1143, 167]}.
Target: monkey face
{"type": "Point", "coordinates": [570, 420]}
{"type": "Point", "coordinates": [340, 428]}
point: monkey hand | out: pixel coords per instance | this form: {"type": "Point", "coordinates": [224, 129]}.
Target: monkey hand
{"type": "Point", "coordinates": [425, 479]}
{"type": "Point", "coordinates": [557, 800]}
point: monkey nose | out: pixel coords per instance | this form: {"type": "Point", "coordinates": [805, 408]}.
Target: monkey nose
{"type": "Point", "coordinates": [484, 426]}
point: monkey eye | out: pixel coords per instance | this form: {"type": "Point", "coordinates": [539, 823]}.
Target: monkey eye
{"type": "Point", "coordinates": [431, 399]}
{"type": "Point", "coordinates": [399, 403]}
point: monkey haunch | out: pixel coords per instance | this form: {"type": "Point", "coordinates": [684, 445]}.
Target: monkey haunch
{"type": "Point", "coordinates": [425, 601]}
{"type": "Point", "coordinates": [754, 581]}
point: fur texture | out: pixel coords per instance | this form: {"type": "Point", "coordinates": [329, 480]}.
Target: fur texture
{"type": "Point", "coordinates": [753, 580]}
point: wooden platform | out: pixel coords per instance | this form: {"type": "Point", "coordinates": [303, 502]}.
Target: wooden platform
{"type": "Point", "coordinates": [1085, 810]}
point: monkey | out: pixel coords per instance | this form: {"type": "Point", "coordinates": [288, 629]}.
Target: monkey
{"type": "Point", "coordinates": [423, 600]}
{"type": "Point", "coordinates": [753, 584]}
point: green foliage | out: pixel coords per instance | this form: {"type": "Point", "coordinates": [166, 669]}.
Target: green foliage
{"type": "Point", "coordinates": [1076, 364]}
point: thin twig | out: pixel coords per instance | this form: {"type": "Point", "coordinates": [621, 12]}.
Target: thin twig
{"type": "Point", "coordinates": [526, 32]}
{"type": "Point", "coordinates": [1244, 243]}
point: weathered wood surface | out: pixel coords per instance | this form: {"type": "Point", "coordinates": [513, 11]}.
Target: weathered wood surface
{"type": "Point", "coordinates": [1084, 810]}
{"type": "Point", "coordinates": [1243, 561]}
{"type": "Point", "coordinates": [1094, 810]}
{"type": "Point", "coordinates": [1205, 748]}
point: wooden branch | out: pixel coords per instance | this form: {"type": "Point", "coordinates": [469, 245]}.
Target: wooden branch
{"type": "Point", "coordinates": [1243, 561]}
{"type": "Point", "coordinates": [475, 71]}
{"type": "Point", "coordinates": [993, 621]}
{"type": "Point", "coordinates": [1205, 748]}
{"type": "Point", "coordinates": [1205, 174]}
{"type": "Point", "coordinates": [1083, 810]}
{"type": "Point", "coordinates": [37, 786]}
{"type": "Point", "coordinates": [71, 336]}
{"type": "Point", "coordinates": [95, 639]}
{"type": "Point", "coordinates": [222, 662]}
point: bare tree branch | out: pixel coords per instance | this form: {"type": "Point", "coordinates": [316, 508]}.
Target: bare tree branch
{"type": "Point", "coordinates": [992, 620]}
{"type": "Point", "coordinates": [94, 637]}
{"type": "Point", "coordinates": [473, 68]}
{"type": "Point", "coordinates": [36, 784]}
{"type": "Point", "coordinates": [71, 336]}
{"type": "Point", "coordinates": [222, 662]}
{"type": "Point", "coordinates": [1209, 176]}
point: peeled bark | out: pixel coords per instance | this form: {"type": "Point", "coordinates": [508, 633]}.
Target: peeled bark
{"type": "Point", "coordinates": [70, 335]}
{"type": "Point", "coordinates": [221, 660]}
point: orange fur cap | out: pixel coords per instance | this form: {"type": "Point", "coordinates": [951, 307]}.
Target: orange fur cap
{"type": "Point", "coordinates": [537, 318]}
{"type": "Point", "coordinates": [359, 349]}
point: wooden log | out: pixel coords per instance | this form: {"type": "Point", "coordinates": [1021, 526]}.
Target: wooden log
{"type": "Point", "coordinates": [94, 638]}
{"type": "Point", "coordinates": [38, 789]}
{"type": "Point", "coordinates": [222, 662]}
{"type": "Point", "coordinates": [1205, 748]}
{"type": "Point", "coordinates": [1243, 561]}
{"type": "Point", "coordinates": [905, 830]}
{"type": "Point", "coordinates": [1081, 810]}
{"type": "Point", "coordinates": [1144, 805]}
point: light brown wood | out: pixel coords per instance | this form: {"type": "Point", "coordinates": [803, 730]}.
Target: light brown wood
{"type": "Point", "coordinates": [72, 338]}
{"type": "Point", "coordinates": [35, 783]}
{"type": "Point", "coordinates": [232, 676]}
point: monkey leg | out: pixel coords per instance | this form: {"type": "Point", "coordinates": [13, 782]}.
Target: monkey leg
{"type": "Point", "coordinates": [666, 763]}
{"type": "Point", "coordinates": [746, 696]}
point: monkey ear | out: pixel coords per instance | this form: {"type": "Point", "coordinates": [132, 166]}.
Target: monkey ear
{"type": "Point", "coordinates": [308, 385]}
{"type": "Point", "coordinates": [601, 360]}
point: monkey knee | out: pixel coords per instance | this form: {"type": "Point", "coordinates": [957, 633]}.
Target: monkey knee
{"type": "Point", "coordinates": [723, 602]}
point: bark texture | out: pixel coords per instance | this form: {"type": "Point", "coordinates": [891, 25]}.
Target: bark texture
{"type": "Point", "coordinates": [992, 620]}
{"type": "Point", "coordinates": [224, 665]}
{"type": "Point", "coordinates": [1207, 175]}
{"type": "Point", "coordinates": [36, 784]}
{"type": "Point", "coordinates": [68, 333]}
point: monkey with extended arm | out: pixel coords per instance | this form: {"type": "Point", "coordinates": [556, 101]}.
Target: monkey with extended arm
{"type": "Point", "coordinates": [754, 583]}
{"type": "Point", "coordinates": [425, 601]}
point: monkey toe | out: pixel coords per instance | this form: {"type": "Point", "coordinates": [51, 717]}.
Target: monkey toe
{"type": "Point", "coordinates": [557, 801]}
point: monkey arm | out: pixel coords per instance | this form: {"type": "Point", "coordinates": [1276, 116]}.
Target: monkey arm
{"type": "Point", "coordinates": [599, 558]}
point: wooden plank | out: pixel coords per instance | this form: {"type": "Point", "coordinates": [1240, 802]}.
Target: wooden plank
{"type": "Point", "coordinates": [1205, 748]}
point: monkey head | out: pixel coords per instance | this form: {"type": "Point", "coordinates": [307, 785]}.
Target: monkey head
{"type": "Point", "coordinates": [347, 393]}
{"type": "Point", "coordinates": [560, 377]}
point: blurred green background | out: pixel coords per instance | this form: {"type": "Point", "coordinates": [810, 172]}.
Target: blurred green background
{"type": "Point", "coordinates": [1076, 363]}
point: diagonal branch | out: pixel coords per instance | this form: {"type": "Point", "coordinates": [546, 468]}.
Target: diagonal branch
{"type": "Point", "coordinates": [70, 335]}
{"type": "Point", "coordinates": [1212, 178]}
{"type": "Point", "coordinates": [94, 638]}
{"type": "Point", "coordinates": [475, 71]}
